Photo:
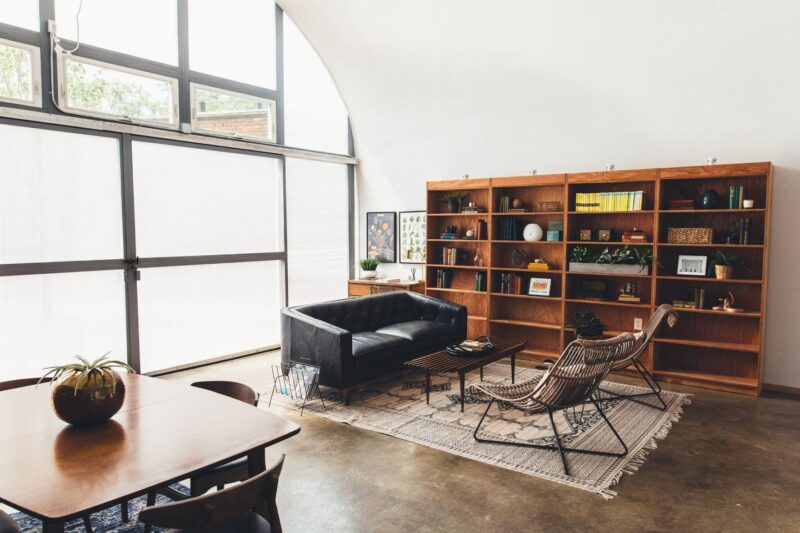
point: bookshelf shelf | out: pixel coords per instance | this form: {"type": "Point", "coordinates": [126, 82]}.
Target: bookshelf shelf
{"type": "Point", "coordinates": [706, 348]}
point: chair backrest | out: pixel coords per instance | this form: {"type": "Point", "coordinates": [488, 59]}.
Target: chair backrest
{"type": "Point", "coordinates": [581, 368]}
{"type": "Point", "coordinates": [643, 338]}
{"type": "Point", "coordinates": [7, 524]}
{"type": "Point", "coordinates": [217, 508]}
{"type": "Point", "coordinates": [231, 389]}
{"type": "Point", "coordinates": [24, 382]}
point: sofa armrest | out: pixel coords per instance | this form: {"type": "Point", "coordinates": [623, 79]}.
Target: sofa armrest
{"type": "Point", "coordinates": [445, 312]}
{"type": "Point", "coordinates": [305, 339]}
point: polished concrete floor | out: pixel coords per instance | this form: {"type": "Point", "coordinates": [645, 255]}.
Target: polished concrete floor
{"type": "Point", "coordinates": [732, 463]}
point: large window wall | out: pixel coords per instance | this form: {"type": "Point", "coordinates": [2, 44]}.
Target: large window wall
{"type": "Point", "coordinates": [164, 252]}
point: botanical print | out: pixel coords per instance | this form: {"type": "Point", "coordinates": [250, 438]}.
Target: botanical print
{"type": "Point", "coordinates": [381, 231]}
{"type": "Point", "coordinates": [412, 237]}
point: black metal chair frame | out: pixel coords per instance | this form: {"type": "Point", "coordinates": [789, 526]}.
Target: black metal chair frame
{"type": "Point", "coordinates": [571, 382]}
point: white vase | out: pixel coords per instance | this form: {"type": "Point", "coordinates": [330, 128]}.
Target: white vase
{"type": "Point", "coordinates": [369, 274]}
{"type": "Point", "coordinates": [533, 232]}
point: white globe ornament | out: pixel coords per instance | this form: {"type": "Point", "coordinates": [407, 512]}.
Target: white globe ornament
{"type": "Point", "coordinates": [533, 232]}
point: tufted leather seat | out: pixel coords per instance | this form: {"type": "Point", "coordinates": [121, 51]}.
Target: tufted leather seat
{"type": "Point", "coordinates": [358, 339]}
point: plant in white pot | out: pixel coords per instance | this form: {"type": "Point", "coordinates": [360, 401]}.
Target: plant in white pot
{"type": "Point", "coordinates": [369, 268]}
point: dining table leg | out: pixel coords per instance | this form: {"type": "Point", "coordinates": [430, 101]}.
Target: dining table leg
{"type": "Point", "coordinates": [53, 526]}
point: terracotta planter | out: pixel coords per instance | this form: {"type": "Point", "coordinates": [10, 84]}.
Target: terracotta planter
{"type": "Point", "coordinates": [723, 271]}
{"type": "Point", "coordinates": [96, 399]}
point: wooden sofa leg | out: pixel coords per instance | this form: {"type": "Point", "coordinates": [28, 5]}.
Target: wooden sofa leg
{"type": "Point", "coordinates": [346, 395]}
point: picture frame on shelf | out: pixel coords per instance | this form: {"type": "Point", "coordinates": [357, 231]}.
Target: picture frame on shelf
{"type": "Point", "coordinates": [692, 265]}
{"type": "Point", "coordinates": [539, 286]}
{"type": "Point", "coordinates": [412, 236]}
{"type": "Point", "coordinates": [382, 236]}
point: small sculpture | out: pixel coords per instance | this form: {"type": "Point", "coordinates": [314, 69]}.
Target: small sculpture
{"type": "Point", "coordinates": [727, 305]}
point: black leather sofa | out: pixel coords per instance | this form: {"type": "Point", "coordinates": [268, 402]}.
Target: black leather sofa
{"type": "Point", "coordinates": [359, 339]}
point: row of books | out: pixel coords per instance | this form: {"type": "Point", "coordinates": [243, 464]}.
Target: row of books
{"type": "Point", "coordinates": [443, 278]}
{"type": "Point", "coordinates": [743, 236]}
{"type": "Point", "coordinates": [736, 197]}
{"type": "Point", "coordinates": [480, 281]}
{"type": "Point", "coordinates": [510, 283]}
{"type": "Point", "coordinates": [452, 256]}
{"type": "Point", "coordinates": [510, 229]}
{"type": "Point", "coordinates": [697, 302]}
{"type": "Point", "coordinates": [505, 204]}
{"type": "Point", "coordinates": [609, 201]}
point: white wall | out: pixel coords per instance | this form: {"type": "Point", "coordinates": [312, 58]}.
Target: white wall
{"type": "Point", "coordinates": [440, 89]}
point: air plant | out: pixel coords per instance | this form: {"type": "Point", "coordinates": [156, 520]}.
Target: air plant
{"type": "Point", "coordinates": [84, 370]}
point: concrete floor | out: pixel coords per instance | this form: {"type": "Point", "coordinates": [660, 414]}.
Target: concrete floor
{"type": "Point", "coordinates": [732, 463]}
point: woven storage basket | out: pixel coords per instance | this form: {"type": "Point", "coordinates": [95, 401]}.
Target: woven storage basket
{"type": "Point", "coordinates": [690, 235]}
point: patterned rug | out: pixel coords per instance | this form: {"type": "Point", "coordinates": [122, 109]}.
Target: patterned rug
{"type": "Point", "coordinates": [396, 406]}
{"type": "Point", "coordinates": [105, 521]}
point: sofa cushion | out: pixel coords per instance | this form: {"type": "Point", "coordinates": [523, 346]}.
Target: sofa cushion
{"type": "Point", "coordinates": [420, 331]}
{"type": "Point", "coordinates": [370, 346]}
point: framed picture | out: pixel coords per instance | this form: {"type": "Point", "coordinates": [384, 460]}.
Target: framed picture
{"type": "Point", "coordinates": [382, 236]}
{"type": "Point", "coordinates": [539, 286]}
{"type": "Point", "coordinates": [412, 236]}
{"type": "Point", "coordinates": [692, 265]}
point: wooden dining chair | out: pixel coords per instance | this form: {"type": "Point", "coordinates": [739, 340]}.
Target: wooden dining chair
{"type": "Point", "coordinates": [248, 507]}
{"type": "Point", "coordinates": [8, 524]}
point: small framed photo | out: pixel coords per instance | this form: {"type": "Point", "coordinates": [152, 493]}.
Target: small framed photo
{"type": "Point", "coordinates": [604, 235]}
{"type": "Point", "coordinates": [692, 265]}
{"type": "Point", "coordinates": [539, 286]}
{"type": "Point", "coordinates": [585, 234]}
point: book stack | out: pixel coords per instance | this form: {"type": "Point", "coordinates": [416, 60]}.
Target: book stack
{"type": "Point", "coordinates": [681, 204]}
{"type": "Point", "coordinates": [451, 256]}
{"type": "Point", "coordinates": [510, 229]}
{"type": "Point", "coordinates": [448, 236]}
{"type": "Point", "coordinates": [471, 209]}
{"type": "Point", "coordinates": [480, 230]}
{"type": "Point", "coordinates": [504, 205]}
{"type": "Point", "coordinates": [480, 281]}
{"type": "Point", "coordinates": [736, 197]}
{"type": "Point", "coordinates": [697, 302]}
{"type": "Point", "coordinates": [443, 278]}
{"type": "Point", "coordinates": [634, 235]}
{"type": "Point", "coordinates": [510, 283]}
{"type": "Point", "coordinates": [608, 201]}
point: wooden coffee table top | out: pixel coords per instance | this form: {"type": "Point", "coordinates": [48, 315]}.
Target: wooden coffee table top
{"type": "Point", "coordinates": [164, 432]}
{"type": "Point", "coordinates": [442, 361]}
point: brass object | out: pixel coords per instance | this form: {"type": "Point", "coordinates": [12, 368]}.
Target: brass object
{"type": "Point", "coordinates": [83, 400]}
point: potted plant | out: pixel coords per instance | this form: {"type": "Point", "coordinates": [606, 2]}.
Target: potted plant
{"type": "Point", "coordinates": [587, 325]}
{"type": "Point", "coordinates": [369, 268]}
{"type": "Point", "coordinates": [725, 264]}
{"type": "Point", "coordinates": [626, 260]}
{"type": "Point", "coordinates": [454, 200]}
{"type": "Point", "coordinates": [87, 393]}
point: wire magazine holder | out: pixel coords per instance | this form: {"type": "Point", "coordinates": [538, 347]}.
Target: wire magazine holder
{"type": "Point", "coordinates": [298, 381]}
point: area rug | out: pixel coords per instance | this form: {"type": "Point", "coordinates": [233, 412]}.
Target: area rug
{"type": "Point", "coordinates": [396, 406]}
{"type": "Point", "coordinates": [106, 521]}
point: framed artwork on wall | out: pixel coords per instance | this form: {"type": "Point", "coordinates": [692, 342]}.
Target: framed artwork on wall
{"type": "Point", "coordinates": [382, 236]}
{"type": "Point", "coordinates": [412, 236]}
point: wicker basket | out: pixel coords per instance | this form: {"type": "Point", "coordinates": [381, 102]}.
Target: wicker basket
{"type": "Point", "coordinates": [690, 235]}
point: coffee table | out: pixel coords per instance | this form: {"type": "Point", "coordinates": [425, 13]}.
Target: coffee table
{"type": "Point", "coordinates": [442, 362]}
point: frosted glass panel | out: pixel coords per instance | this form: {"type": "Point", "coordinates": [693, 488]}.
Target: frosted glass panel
{"type": "Point", "coordinates": [46, 319]}
{"type": "Point", "coordinates": [22, 13]}
{"type": "Point", "coordinates": [143, 28]}
{"type": "Point", "coordinates": [191, 201]}
{"type": "Point", "coordinates": [60, 196]}
{"type": "Point", "coordinates": [189, 314]}
{"type": "Point", "coordinates": [234, 39]}
{"type": "Point", "coordinates": [317, 230]}
{"type": "Point", "coordinates": [316, 117]}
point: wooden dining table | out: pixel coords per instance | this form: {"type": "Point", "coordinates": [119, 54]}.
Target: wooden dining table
{"type": "Point", "coordinates": [164, 433]}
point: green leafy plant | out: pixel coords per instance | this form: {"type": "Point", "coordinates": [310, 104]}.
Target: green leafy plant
{"type": "Point", "coordinates": [580, 254]}
{"type": "Point", "coordinates": [84, 370]}
{"type": "Point", "coordinates": [369, 264]}
{"type": "Point", "coordinates": [723, 259]}
{"type": "Point", "coordinates": [453, 197]}
{"type": "Point", "coordinates": [587, 324]}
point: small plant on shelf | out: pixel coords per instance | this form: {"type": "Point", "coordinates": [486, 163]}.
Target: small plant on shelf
{"type": "Point", "coordinates": [453, 200]}
{"type": "Point", "coordinates": [369, 268]}
{"type": "Point", "coordinates": [587, 325]}
{"type": "Point", "coordinates": [725, 264]}
{"type": "Point", "coordinates": [580, 254]}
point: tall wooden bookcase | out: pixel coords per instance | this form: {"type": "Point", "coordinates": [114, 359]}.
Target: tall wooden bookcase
{"type": "Point", "coordinates": [707, 348]}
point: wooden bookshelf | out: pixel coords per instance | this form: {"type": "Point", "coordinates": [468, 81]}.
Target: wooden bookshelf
{"type": "Point", "coordinates": [707, 348]}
